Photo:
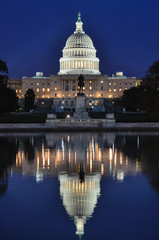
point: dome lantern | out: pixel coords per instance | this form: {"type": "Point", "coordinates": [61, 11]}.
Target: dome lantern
{"type": "Point", "coordinates": [79, 53]}
{"type": "Point", "coordinates": [79, 24]}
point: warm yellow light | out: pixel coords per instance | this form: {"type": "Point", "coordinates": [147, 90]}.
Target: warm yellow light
{"type": "Point", "coordinates": [110, 90]}
{"type": "Point", "coordinates": [43, 89]}
{"type": "Point", "coordinates": [37, 84]}
{"type": "Point", "coordinates": [101, 81]}
{"type": "Point", "coordinates": [96, 102]}
{"type": "Point", "coordinates": [110, 96]}
{"type": "Point", "coordinates": [114, 90]}
{"type": "Point", "coordinates": [90, 88]}
{"type": "Point", "coordinates": [90, 81]}
{"type": "Point", "coordinates": [48, 89]}
{"type": "Point", "coordinates": [55, 88]}
{"type": "Point", "coordinates": [114, 83]}
{"type": "Point", "coordinates": [37, 89]}
{"type": "Point", "coordinates": [110, 154]}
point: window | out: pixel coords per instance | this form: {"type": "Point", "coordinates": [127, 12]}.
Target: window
{"type": "Point", "coordinates": [114, 83]}
{"type": "Point", "coordinates": [101, 82]}
{"type": "Point", "coordinates": [90, 103]}
{"type": "Point", "coordinates": [126, 89]}
{"type": "Point", "coordinates": [67, 88]}
{"type": "Point", "coordinates": [20, 90]}
{"type": "Point", "coordinates": [110, 90]}
{"type": "Point", "coordinates": [114, 90]}
{"type": "Point", "coordinates": [66, 102]}
{"type": "Point", "coordinates": [55, 88]}
{"type": "Point", "coordinates": [96, 103]}
{"type": "Point", "coordinates": [101, 94]}
{"type": "Point", "coordinates": [73, 88]}
{"type": "Point", "coordinates": [120, 89]}
{"type": "Point", "coordinates": [73, 81]}
{"type": "Point", "coordinates": [84, 88]}
{"type": "Point", "coordinates": [16, 91]}
{"type": "Point", "coordinates": [101, 87]}
{"type": "Point", "coordinates": [110, 96]}
{"type": "Point", "coordinates": [66, 94]}
{"type": "Point", "coordinates": [90, 81]}
{"type": "Point", "coordinates": [126, 83]}
{"type": "Point", "coordinates": [37, 96]}
{"type": "Point", "coordinates": [55, 94]}
{"type": "Point", "coordinates": [37, 89]}
{"type": "Point", "coordinates": [90, 88]}
{"type": "Point", "coordinates": [90, 95]}
{"type": "Point", "coordinates": [48, 89]}
{"type": "Point", "coordinates": [110, 83]}
{"type": "Point", "coordinates": [43, 89]}
{"type": "Point", "coordinates": [72, 103]}
{"type": "Point", "coordinates": [37, 84]}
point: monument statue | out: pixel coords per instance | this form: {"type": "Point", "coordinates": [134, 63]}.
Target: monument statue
{"type": "Point", "coordinates": [81, 84]}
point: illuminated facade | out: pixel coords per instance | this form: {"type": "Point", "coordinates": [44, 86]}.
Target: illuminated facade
{"type": "Point", "coordinates": [79, 57]}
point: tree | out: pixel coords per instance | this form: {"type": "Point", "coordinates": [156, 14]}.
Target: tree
{"type": "Point", "coordinates": [133, 98]}
{"type": "Point", "coordinates": [29, 100]}
{"type": "Point", "coordinates": [8, 98]}
{"type": "Point", "coordinates": [151, 80]}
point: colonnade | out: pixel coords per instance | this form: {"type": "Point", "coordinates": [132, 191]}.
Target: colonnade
{"type": "Point", "coordinates": [80, 64]}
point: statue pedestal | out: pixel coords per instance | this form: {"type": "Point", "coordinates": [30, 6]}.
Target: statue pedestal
{"type": "Point", "coordinates": [81, 107]}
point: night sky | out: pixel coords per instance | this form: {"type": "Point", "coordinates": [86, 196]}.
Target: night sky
{"type": "Point", "coordinates": [125, 34]}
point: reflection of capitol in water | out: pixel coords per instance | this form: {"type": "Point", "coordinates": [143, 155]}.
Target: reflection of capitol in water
{"type": "Point", "coordinates": [79, 197]}
{"type": "Point", "coordinates": [79, 161]}
{"type": "Point", "coordinates": [64, 152]}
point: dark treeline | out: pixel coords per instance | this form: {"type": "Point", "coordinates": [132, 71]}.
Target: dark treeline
{"type": "Point", "coordinates": [144, 97]}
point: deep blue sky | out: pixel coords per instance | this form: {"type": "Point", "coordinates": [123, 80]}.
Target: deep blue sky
{"type": "Point", "coordinates": [124, 32]}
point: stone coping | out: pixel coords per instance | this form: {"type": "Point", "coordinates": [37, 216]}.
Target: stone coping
{"type": "Point", "coordinates": [37, 127]}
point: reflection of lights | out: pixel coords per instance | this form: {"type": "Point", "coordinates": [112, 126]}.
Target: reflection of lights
{"type": "Point", "coordinates": [110, 154]}
{"type": "Point", "coordinates": [48, 159]}
{"type": "Point", "coordinates": [115, 159]}
{"type": "Point", "coordinates": [121, 159]}
{"type": "Point", "coordinates": [102, 168]}
{"type": "Point", "coordinates": [126, 160]}
{"type": "Point", "coordinates": [120, 175]}
{"type": "Point", "coordinates": [43, 155]}
{"type": "Point", "coordinates": [37, 161]}
{"type": "Point", "coordinates": [100, 154]}
{"type": "Point", "coordinates": [39, 177]}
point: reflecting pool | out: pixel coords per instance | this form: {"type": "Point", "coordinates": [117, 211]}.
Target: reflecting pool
{"type": "Point", "coordinates": [79, 185]}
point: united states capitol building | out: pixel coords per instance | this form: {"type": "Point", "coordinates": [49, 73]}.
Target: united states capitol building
{"type": "Point", "coordinates": [79, 57]}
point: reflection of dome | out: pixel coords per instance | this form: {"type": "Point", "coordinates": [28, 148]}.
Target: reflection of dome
{"type": "Point", "coordinates": [79, 54]}
{"type": "Point", "coordinates": [79, 198]}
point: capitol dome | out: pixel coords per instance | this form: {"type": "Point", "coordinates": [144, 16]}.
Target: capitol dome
{"type": "Point", "coordinates": [79, 40]}
{"type": "Point", "coordinates": [79, 53]}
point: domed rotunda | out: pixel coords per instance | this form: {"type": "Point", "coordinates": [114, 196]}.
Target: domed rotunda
{"type": "Point", "coordinates": [79, 53]}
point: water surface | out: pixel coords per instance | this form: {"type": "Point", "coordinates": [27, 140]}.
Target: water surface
{"type": "Point", "coordinates": [86, 185]}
